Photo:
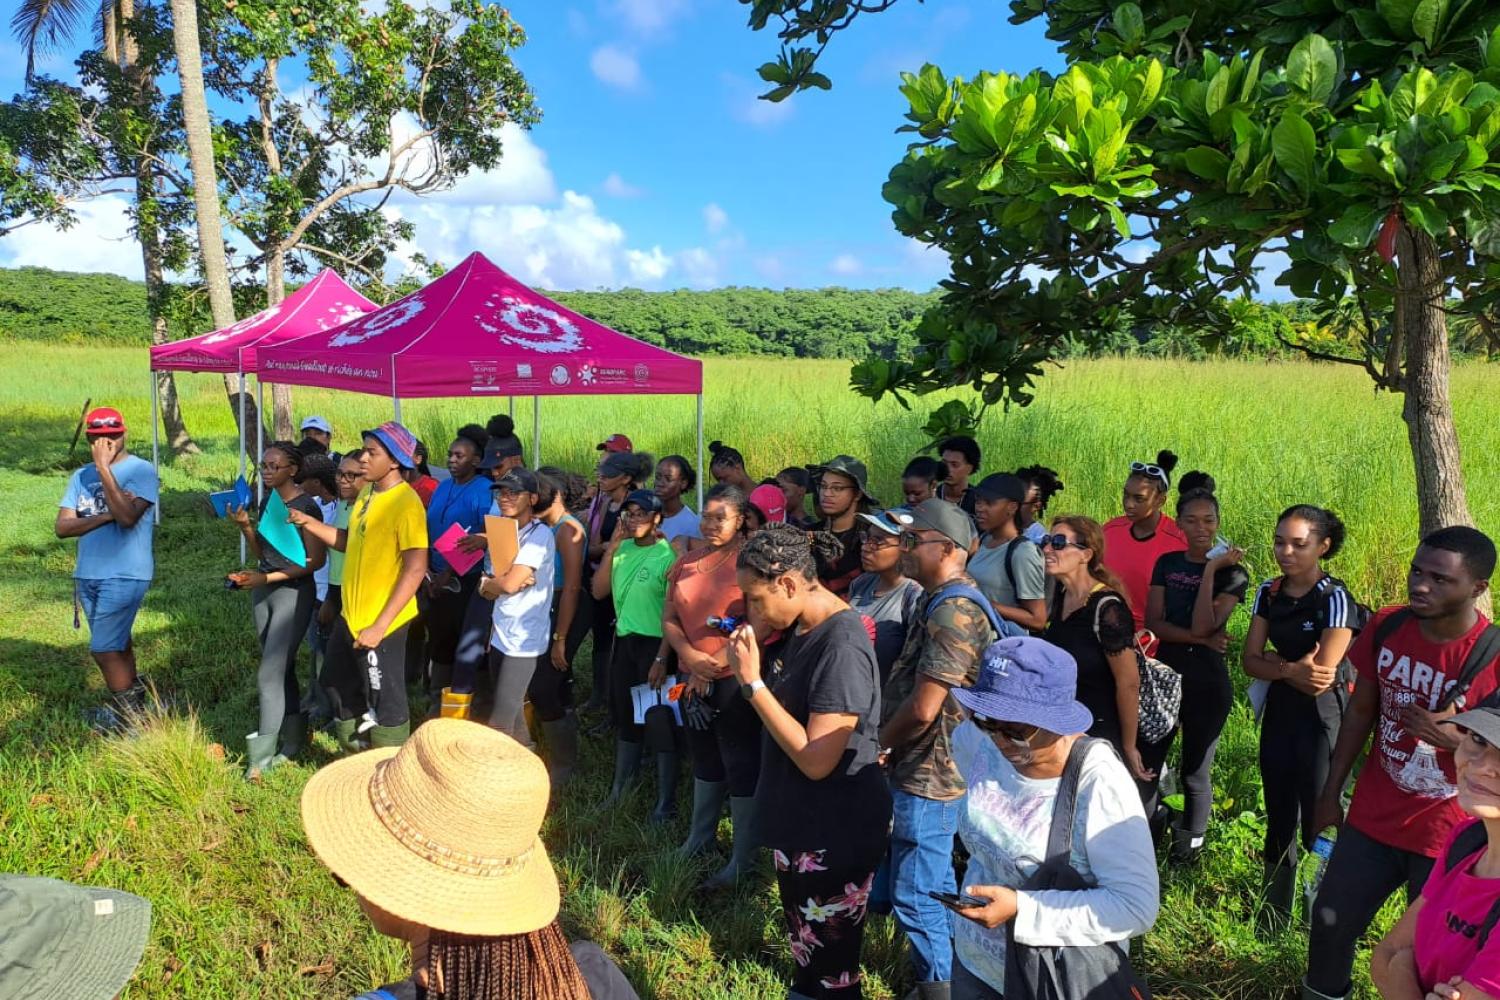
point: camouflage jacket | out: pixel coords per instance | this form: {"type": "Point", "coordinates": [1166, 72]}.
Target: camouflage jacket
{"type": "Point", "coordinates": [947, 647]}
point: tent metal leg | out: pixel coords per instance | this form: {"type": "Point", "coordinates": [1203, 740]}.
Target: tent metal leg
{"type": "Point", "coordinates": [396, 407]}
{"type": "Point", "coordinates": [242, 453]}
{"type": "Point", "coordinates": [512, 408]}
{"type": "Point", "coordinates": [155, 445]}
{"type": "Point", "coordinates": [536, 431]}
{"type": "Point", "coordinates": [260, 434]}
{"type": "Point", "coordinates": [702, 472]}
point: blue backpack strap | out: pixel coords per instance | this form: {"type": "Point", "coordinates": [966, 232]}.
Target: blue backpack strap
{"type": "Point", "coordinates": [951, 590]}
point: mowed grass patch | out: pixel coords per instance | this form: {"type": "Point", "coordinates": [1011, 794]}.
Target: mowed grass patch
{"type": "Point", "coordinates": [244, 910]}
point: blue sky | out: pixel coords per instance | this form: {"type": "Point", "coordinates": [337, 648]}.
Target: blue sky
{"type": "Point", "coordinates": [654, 164]}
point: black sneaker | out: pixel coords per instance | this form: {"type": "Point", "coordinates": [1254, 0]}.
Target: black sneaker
{"type": "Point", "coordinates": [123, 711]}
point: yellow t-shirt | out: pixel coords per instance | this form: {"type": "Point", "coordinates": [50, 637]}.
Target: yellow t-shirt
{"type": "Point", "coordinates": [381, 527]}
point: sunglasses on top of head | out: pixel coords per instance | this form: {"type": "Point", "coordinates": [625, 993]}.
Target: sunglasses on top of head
{"type": "Point", "coordinates": [1147, 469]}
{"type": "Point", "coordinates": [1060, 542]}
{"type": "Point", "coordinates": [101, 423]}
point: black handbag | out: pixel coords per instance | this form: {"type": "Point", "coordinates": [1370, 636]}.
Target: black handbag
{"type": "Point", "coordinates": [1078, 972]}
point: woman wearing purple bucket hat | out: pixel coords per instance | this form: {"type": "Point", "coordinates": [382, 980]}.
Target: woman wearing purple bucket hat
{"type": "Point", "coordinates": [1014, 753]}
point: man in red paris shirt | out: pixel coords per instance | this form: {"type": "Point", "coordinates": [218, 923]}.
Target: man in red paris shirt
{"type": "Point", "coordinates": [1411, 674]}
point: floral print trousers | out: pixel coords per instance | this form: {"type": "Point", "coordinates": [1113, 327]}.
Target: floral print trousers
{"type": "Point", "coordinates": [824, 898]}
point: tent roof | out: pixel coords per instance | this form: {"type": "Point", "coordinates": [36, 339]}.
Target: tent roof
{"type": "Point", "coordinates": [321, 304]}
{"type": "Point", "coordinates": [477, 331]}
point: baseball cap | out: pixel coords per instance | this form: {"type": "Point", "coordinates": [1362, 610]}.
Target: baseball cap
{"type": "Point", "coordinates": [103, 420]}
{"type": "Point", "coordinates": [940, 516]}
{"type": "Point", "coordinates": [1483, 721]}
{"type": "Point", "coordinates": [316, 423]}
{"type": "Point", "coordinates": [68, 942]}
{"type": "Point", "coordinates": [520, 480]}
{"type": "Point", "coordinates": [644, 499]}
{"type": "Point", "coordinates": [497, 450]}
{"type": "Point", "coordinates": [1001, 486]}
{"type": "Point", "coordinates": [886, 520]}
{"type": "Point", "coordinates": [1027, 680]}
{"type": "Point", "coordinates": [399, 441]}
{"type": "Point", "coordinates": [847, 465]}
{"type": "Point", "coordinates": [615, 442]}
{"type": "Point", "coordinates": [771, 503]}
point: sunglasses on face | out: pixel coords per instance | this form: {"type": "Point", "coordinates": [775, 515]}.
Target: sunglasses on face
{"type": "Point", "coordinates": [910, 542]}
{"type": "Point", "coordinates": [1060, 542]}
{"type": "Point", "coordinates": [1016, 732]}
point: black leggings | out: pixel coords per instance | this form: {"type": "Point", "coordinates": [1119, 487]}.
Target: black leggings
{"type": "Point", "coordinates": [729, 749]}
{"type": "Point", "coordinates": [551, 691]}
{"type": "Point", "coordinates": [1207, 696]}
{"type": "Point", "coordinates": [1296, 746]}
{"type": "Point", "coordinates": [629, 667]}
{"type": "Point", "coordinates": [1153, 755]}
{"type": "Point", "coordinates": [602, 616]}
{"type": "Point", "coordinates": [356, 685]}
{"type": "Point", "coordinates": [445, 620]}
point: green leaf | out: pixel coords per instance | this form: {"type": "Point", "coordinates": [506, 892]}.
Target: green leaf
{"type": "Point", "coordinates": [1397, 14]}
{"type": "Point", "coordinates": [1122, 224]}
{"type": "Point", "coordinates": [1206, 162]}
{"type": "Point", "coordinates": [1295, 145]}
{"type": "Point", "coordinates": [1492, 50]}
{"type": "Point", "coordinates": [1252, 77]}
{"type": "Point", "coordinates": [1356, 227]}
{"type": "Point", "coordinates": [1312, 68]}
{"type": "Point", "coordinates": [1218, 92]}
{"type": "Point", "coordinates": [1362, 161]}
{"type": "Point", "coordinates": [1426, 216]}
{"type": "Point", "coordinates": [1129, 24]}
{"type": "Point", "coordinates": [1427, 19]}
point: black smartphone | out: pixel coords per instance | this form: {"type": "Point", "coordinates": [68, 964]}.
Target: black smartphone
{"type": "Point", "coordinates": [958, 901]}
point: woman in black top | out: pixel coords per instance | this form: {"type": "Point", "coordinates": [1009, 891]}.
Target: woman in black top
{"type": "Point", "coordinates": [824, 806]}
{"type": "Point", "coordinates": [1190, 599]}
{"type": "Point", "coordinates": [1089, 617]}
{"type": "Point", "coordinates": [618, 474]}
{"type": "Point", "coordinates": [282, 595]}
{"type": "Point", "coordinates": [1304, 622]}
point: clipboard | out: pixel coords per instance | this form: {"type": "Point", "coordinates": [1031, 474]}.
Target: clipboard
{"type": "Point", "coordinates": [447, 547]}
{"type": "Point", "coordinates": [503, 541]}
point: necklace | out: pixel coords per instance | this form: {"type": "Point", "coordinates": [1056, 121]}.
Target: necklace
{"type": "Point", "coordinates": [728, 551]}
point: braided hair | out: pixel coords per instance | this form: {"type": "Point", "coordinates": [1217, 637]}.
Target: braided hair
{"type": "Point", "coordinates": [537, 965]}
{"type": "Point", "coordinates": [734, 498]}
{"type": "Point", "coordinates": [294, 455]}
{"type": "Point", "coordinates": [779, 549]}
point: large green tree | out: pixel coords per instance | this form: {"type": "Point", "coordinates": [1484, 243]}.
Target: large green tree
{"type": "Point", "coordinates": [1183, 143]}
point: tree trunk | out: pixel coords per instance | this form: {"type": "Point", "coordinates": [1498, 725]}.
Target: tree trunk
{"type": "Point", "coordinates": [281, 394]}
{"type": "Point", "coordinates": [199, 131]}
{"type": "Point", "coordinates": [1423, 326]}
{"type": "Point", "coordinates": [178, 438]}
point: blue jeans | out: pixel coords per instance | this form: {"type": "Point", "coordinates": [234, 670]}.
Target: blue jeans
{"type": "Point", "coordinates": [921, 861]}
{"type": "Point", "coordinates": [110, 607]}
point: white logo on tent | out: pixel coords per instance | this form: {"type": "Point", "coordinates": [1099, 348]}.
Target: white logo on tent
{"type": "Point", "coordinates": [338, 314]}
{"type": "Point", "coordinates": [377, 323]}
{"type": "Point", "coordinates": [560, 375]}
{"type": "Point", "coordinates": [586, 374]}
{"type": "Point", "coordinates": [249, 322]}
{"type": "Point", "coordinates": [531, 327]}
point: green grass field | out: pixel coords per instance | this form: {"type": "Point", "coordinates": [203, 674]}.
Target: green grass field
{"type": "Point", "coordinates": [243, 910]}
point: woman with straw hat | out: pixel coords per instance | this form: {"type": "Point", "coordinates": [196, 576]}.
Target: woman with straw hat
{"type": "Point", "coordinates": [440, 841]}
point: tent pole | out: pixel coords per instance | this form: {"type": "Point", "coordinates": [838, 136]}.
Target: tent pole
{"type": "Point", "coordinates": [701, 470]}
{"type": "Point", "coordinates": [155, 446]}
{"type": "Point", "coordinates": [536, 430]}
{"type": "Point", "coordinates": [396, 406]}
{"type": "Point", "coordinates": [512, 408]}
{"type": "Point", "coordinates": [260, 433]}
{"type": "Point", "coordinates": [242, 454]}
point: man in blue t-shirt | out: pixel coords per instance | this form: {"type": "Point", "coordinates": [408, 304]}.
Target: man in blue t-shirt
{"type": "Point", "coordinates": [107, 507]}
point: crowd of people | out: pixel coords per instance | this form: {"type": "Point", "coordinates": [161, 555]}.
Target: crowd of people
{"type": "Point", "coordinates": [957, 710]}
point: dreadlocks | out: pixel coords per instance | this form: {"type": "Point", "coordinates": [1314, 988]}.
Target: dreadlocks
{"type": "Point", "coordinates": [778, 549]}
{"type": "Point", "coordinates": [535, 966]}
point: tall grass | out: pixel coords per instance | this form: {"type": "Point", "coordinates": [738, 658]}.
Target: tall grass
{"type": "Point", "coordinates": [243, 910]}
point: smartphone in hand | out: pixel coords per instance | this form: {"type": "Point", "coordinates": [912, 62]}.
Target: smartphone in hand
{"type": "Point", "coordinates": [958, 901]}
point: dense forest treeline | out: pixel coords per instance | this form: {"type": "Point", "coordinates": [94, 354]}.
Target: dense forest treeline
{"type": "Point", "coordinates": [66, 307]}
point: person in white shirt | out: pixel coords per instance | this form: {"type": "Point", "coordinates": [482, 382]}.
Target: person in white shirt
{"type": "Point", "coordinates": [522, 632]}
{"type": "Point", "coordinates": [1012, 750]}
{"type": "Point", "coordinates": [674, 477]}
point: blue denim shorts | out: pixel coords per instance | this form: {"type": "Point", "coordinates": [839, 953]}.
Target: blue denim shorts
{"type": "Point", "coordinates": [110, 606]}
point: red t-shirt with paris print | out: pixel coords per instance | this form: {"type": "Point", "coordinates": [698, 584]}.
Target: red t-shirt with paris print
{"type": "Point", "coordinates": [1405, 796]}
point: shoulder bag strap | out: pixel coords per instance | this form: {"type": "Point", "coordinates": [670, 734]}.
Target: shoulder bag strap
{"type": "Point", "coordinates": [1010, 564]}
{"type": "Point", "coordinates": [1065, 806]}
{"type": "Point", "coordinates": [1484, 651]}
{"type": "Point", "coordinates": [949, 591]}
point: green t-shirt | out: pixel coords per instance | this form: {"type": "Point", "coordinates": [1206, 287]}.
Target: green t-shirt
{"type": "Point", "coordinates": [638, 580]}
{"type": "Point", "coordinates": [335, 557]}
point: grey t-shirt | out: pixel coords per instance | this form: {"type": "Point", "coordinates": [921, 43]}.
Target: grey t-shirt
{"type": "Point", "coordinates": [684, 522]}
{"type": "Point", "coordinates": [987, 566]}
{"type": "Point", "coordinates": [891, 612]}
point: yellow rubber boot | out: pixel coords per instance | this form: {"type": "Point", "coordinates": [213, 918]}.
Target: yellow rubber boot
{"type": "Point", "coordinates": [454, 705]}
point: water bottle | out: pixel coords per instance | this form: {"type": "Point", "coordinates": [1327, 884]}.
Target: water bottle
{"type": "Point", "coordinates": [724, 623]}
{"type": "Point", "coordinates": [1323, 848]}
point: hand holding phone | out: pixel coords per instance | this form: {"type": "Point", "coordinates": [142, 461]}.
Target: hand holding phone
{"type": "Point", "coordinates": [958, 901]}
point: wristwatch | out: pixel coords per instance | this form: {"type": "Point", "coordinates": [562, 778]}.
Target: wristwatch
{"type": "Point", "coordinates": [557, 636]}
{"type": "Point", "coordinates": [748, 690]}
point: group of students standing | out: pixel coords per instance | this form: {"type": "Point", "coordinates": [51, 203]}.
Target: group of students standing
{"type": "Point", "coordinates": [864, 685]}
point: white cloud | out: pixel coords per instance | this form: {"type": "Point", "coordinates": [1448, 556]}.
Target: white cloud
{"type": "Point", "coordinates": [650, 17]}
{"type": "Point", "coordinates": [923, 265]}
{"type": "Point", "coordinates": [846, 264]}
{"type": "Point", "coordinates": [770, 267]}
{"type": "Point", "coordinates": [648, 267]}
{"type": "Point", "coordinates": [699, 266]}
{"type": "Point", "coordinates": [715, 218]}
{"type": "Point", "coordinates": [99, 241]}
{"type": "Point", "coordinates": [616, 67]}
{"type": "Point", "coordinates": [618, 187]}
{"type": "Point", "coordinates": [746, 106]}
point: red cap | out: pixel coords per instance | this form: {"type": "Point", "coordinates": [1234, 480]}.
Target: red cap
{"type": "Point", "coordinates": [615, 442]}
{"type": "Point", "coordinates": [104, 420]}
{"type": "Point", "coordinates": [771, 503]}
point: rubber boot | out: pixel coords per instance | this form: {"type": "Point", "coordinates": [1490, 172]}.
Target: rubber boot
{"type": "Point", "coordinates": [344, 734]}
{"type": "Point", "coordinates": [708, 803]}
{"type": "Point", "coordinates": [934, 991]}
{"type": "Point", "coordinates": [1308, 993]}
{"type": "Point", "coordinates": [746, 843]}
{"type": "Point", "coordinates": [389, 736]}
{"type": "Point", "coordinates": [1186, 847]}
{"type": "Point", "coordinates": [1280, 897]}
{"type": "Point", "coordinates": [437, 689]}
{"type": "Point", "coordinates": [260, 754]}
{"type": "Point", "coordinates": [562, 749]}
{"type": "Point", "coordinates": [627, 763]}
{"type": "Point", "coordinates": [293, 737]}
{"type": "Point", "coordinates": [454, 705]}
{"type": "Point", "coordinates": [666, 787]}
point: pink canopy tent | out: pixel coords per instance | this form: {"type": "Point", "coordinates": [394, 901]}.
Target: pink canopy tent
{"type": "Point", "coordinates": [477, 331]}
{"type": "Point", "coordinates": [323, 303]}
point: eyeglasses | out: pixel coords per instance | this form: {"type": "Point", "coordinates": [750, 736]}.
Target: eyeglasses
{"type": "Point", "coordinates": [827, 487]}
{"type": "Point", "coordinates": [269, 467]}
{"type": "Point", "coordinates": [1145, 468]}
{"type": "Point", "coordinates": [348, 475]}
{"type": "Point", "coordinates": [1016, 732]}
{"type": "Point", "coordinates": [911, 541]}
{"type": "Point", "coordinates": [101, 422]}
{"type": "Point", "coordinates": [881, 541]}
{"type": "Point", "coordinates": [636, 514]}
{"type": "Point", "coordinates": [1060, 542]}
{"type": "Point", "coordinates": [714, 520]}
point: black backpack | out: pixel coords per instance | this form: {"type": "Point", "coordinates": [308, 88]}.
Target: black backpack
{"type": "Point", "coordinates": [1485, 649]}
{"type": "Point", "coordinates": [1079, 972]}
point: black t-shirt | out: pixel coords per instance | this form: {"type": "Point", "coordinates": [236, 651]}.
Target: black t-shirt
{"type": "Point", "coordinates": [1294, 625]}
{"type": "Point", "coordinates": [1076, 634]}
{"type": "Point", "coordinates": [270, 559]}
{"type": "Point", "coordinates": [603, 978]}
{"type": "Point", "coordinates": [838, 574]}
{"type": "Point", "coordinates": [966, 503]}
{"type": "Point", "coordinates": [1180, 577]}
{"type": "Point", "coordinates": [829, 670]}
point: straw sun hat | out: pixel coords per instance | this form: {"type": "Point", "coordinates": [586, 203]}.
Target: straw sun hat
{"type": "Point", "coordinates": [442, 832]}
